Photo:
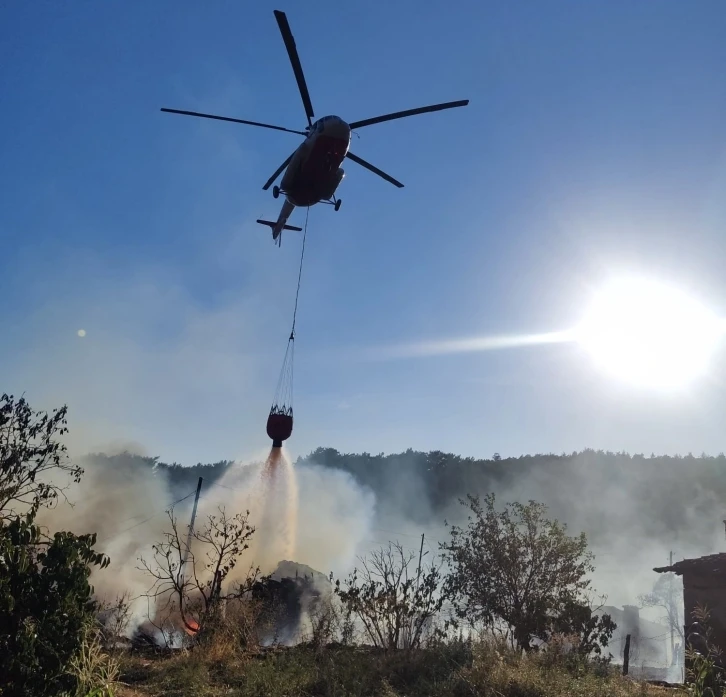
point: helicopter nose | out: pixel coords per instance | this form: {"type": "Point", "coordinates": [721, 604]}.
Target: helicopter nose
{"type": "Point", "coordinates": [339, 128]}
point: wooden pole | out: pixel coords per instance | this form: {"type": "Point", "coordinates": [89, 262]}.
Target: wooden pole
{"type": "Point", "coordinates": [420, 555]}
{"type": "Point", "coordinates": [626, 655]}
{"type": "Point", "coordinates": [191, 530]}
{"type": "Point", "coordinates": [671, 609]}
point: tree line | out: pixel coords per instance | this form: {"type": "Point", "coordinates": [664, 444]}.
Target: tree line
{"type": "Point", "coordinates": [666, 498]}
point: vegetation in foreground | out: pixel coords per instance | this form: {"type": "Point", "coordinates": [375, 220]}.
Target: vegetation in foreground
{"type": "Point", "coordinates": [454, 669]}
{"type": "Point", "coordinates": [53, 642]}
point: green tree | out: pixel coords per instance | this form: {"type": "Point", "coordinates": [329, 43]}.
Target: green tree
{"type": "Point", "coordinates": [34, 467]}
{"type": "Point", "coordinates": [593, 630]}
{"type": "Point", "coordinates": [515, 569]}
{"type": "Point", "coordinates": [45, 596]}
{"type": "Point", "coordinates": [45, 600]}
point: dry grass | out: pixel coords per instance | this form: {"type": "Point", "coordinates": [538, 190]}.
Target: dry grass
{"type": "Point", "coordinates": [454, 670]}
{"type": "Point", "coordinates": [95, 671]}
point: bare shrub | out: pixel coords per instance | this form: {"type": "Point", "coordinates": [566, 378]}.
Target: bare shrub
{"type": "Point", "coordinates": [394, 601]}
{"type": "Point", "coordinates": [327, 619]}
{"type": "Point", "coordinates": [114, 618]}
{"type": "Point", "coordinates": [189, 588]}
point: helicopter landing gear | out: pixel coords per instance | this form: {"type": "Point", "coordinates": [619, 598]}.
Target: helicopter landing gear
{"type": "Point", "coordinates": [332, 201]}
{"type": "Point", "coordinates": [275, 191]}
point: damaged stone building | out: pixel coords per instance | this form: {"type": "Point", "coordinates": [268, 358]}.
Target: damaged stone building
{"type": "Point", "coordinates": [650, 655]}
{"type": "Point", "coordinates": [704, 586]}
{"type": "Point", "coordinates": [290, 594]}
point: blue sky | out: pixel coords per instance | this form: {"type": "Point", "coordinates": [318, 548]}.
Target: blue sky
{"type": "Point", "coordinates": [594, 143]}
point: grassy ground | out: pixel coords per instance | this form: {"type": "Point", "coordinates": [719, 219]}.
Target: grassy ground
{"type": "Point", "coordinates": [447, 671]}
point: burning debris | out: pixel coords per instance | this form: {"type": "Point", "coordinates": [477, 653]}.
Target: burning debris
{"type": "Point", "coordinates": [184, 605]}
{"type": "Point", "coordinates": [191, 627]}
{"type": "Point", "coordinates": [283, 600]}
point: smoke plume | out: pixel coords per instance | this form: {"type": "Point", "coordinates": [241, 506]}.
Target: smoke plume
{"type": "Point", "coordinates": [634, 509]}
{"type": "Point", "coordinates": [312, 515]}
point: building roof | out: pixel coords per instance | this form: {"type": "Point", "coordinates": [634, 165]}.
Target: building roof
{"type": "Point", "coordinates": [713, 563]}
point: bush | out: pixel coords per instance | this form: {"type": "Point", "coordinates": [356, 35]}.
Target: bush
{"type": "Point", "coordinates": [517, 569]}
{"type": "Point", "coordinates": [46, 600]}
{"type": "Point", "coordinates": [45, 603]}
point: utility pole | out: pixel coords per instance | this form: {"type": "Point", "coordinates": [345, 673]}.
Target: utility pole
{"type": "Point", "coordinates": [626, 655]}
{"type": "Point", "coordinates": [671, 607]}
{"type": "Point", "coordinates": [182, 569]}
{"type": "Point", "coordinates": [420, 555]}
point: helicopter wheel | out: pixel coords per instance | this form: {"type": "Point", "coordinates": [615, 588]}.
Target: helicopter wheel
{"type": "Point", "coordinates": [337, 204]}
{"type": "Point", "coordinates": [275, 191]}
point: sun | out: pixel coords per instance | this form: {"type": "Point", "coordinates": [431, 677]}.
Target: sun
{"type": "Point", "coordinates": [650, 334]}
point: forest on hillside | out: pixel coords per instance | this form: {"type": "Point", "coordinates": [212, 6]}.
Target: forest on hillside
{"type": "Point", "coordinates": [677, 500]}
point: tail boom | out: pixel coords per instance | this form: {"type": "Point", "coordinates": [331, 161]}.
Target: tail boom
{"type": "Point", "coordinates": [272, 225]}
{"type": "Point", "coordinates": [281, 223]}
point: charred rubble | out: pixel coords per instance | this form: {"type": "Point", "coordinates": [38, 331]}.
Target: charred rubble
{"type": "Point", "coordinates": [286, 596]}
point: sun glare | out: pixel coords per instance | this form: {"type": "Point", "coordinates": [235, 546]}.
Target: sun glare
{"type": "Point", "coordinates": [650, 334]}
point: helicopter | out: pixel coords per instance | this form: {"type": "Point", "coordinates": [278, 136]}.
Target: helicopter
{"type": "Point", "coordinates": [313, 172]}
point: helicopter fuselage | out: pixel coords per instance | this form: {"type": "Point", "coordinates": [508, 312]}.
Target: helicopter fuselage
{"type": "Point", "coordinates": [314, 172]}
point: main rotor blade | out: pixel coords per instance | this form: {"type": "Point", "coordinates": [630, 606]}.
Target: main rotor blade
{"type": "Point", "coordinates": [373, 169]}
{"type": "Point", "coordinates": [269, 182]}
{"type": "Point", "coordinates": [295, 60]}
{"type": "Point", "coordinates": [227, 118]}
{"type": "Point", "coordinates": [409, 112]}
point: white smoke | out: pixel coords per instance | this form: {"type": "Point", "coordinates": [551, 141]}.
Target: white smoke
{"type": "Point", "coordinates": [335, 518]}
{"type": "Point", "coordinates": [125, 501]}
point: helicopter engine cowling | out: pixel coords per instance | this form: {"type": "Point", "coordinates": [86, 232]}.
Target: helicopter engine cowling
{"type": "Point", "coordinates": [333, 183]}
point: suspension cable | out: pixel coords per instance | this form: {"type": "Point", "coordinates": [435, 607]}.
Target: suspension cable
{"type": "Point", "coordinates": [299, 274]}
{"type": "Point", "coordinates": [283, 394]}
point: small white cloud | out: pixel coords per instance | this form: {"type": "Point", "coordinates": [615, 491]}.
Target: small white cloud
{"type": "Point", "coordinates": [81, 333]}
{"type": "Point", "coordinates": [344, 405]}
